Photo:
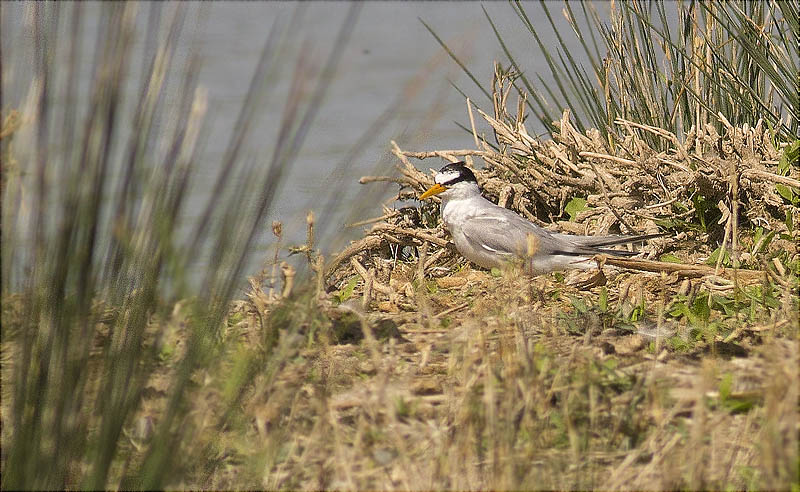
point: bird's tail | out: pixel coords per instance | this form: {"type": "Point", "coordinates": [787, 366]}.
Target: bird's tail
{"type": "Point", "coordinates": [600, 242]}
{"type": "Point", "coordinates": [592, 245]}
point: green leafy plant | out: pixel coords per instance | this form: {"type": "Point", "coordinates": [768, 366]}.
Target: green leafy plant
{"type": "Point", "coordinates": [575, 206]}
{"type": "Point", "coordinates": [735, 403]}
{"type": "Point", "coordinates": [347, 292]}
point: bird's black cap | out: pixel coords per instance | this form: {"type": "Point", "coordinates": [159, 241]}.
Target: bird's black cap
{"type": "Point", "coordinates": [460, 171]}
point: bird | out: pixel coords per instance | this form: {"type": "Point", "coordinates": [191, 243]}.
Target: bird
{"type": "Point", "coordinates": [492, 236]}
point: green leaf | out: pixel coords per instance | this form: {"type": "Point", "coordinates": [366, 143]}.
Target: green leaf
{"type": "Point", "coordinates": [432, 287]}
{"type": "Point", "coordinates": [700, 307]}
{"type": "Point", "coordinates": [677, 224]}
{"type": "Point", "coordinates": [578, 304]}
{"type": "Point", "coordinates": [726, 304]}
{"type": "Point", "coordinates": [725, 386]}
{"type": "Point", "coordinates": [732, 402]}
{"type": "Point", "coordinates": [712, 260]}
{"type": "Point", "coordinates": [637, 313]}
{"type": "Point", "coordinates": [765, 241]}
{"type": "Point", "coordinates": [785, 192]}
{"type": "Point", "coordinates": [602, 302]}
{"type": "Point", "coordinates": [790, 156]}
{"type": "Point", "coordinates": [758, 233]}
{"type": "Point", "coordinates": [678, 310]}
{"type": "Point", "coordinates": [574, 207]}
{"type": "Point", "coordinates": [678, 344]}
{"type": "Point", "coordinates": [701, 206]}
{"type": "Point", "coordinates": [347, 292]}
{"type": "Point", "coordinates": [670, 258]}
{"type": "Point", "coordinates": [235, 318]}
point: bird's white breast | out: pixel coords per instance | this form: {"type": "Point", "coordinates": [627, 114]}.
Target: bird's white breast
{"type": "Point", "coordinates": [456, 213]}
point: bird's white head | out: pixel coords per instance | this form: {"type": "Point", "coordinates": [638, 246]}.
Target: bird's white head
{"type": "Point", "coordinates": [453, 179]}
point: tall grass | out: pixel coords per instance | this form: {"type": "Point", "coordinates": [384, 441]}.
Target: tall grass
{"type": "Point", "coordinates": [672, 65]}
{"type": "Point", "coordinates": [92, 256]}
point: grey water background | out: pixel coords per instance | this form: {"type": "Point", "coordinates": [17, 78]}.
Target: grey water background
{"type": "Point", "coordinates": [389, 51]}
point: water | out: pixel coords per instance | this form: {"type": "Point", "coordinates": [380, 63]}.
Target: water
{"type": "Point", "coordinates": [388, 47]}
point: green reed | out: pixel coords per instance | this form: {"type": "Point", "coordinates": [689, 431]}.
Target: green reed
{"type": "Point", "coordinates": [671, 65]}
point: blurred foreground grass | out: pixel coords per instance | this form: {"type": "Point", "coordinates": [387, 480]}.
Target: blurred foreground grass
{"type": "Point", "coordinates": [93, 202]}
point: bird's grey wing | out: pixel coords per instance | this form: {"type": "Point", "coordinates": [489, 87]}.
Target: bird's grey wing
{"type": "Point", "coordinates": [502, 231]}
{"type": "Point", "coordinates": [491, 234]}
{"type": "Point", "coordinates": [496, 233]}
{"type": "Point", "coordinates": [501, 234]}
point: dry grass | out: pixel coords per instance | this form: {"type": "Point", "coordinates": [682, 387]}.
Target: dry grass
{"type": "Point", "coordinates": [401, 366]}
{"type": "Point", "coordinates": [517, 390]}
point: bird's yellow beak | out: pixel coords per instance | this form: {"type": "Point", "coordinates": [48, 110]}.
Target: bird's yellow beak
{"type": "Point", "coordinates": [433, 190]}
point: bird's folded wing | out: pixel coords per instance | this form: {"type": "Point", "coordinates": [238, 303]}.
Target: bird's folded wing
{"type": "Point", "coordinates": [492, 234]}
{"type": "Point", "coordinates": [506, 233]}
{"type": "Point", "coordinates": [609, 240]}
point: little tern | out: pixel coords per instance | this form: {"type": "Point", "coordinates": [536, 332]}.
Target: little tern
{"type": "Point", "coordinates": [493, 236]}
